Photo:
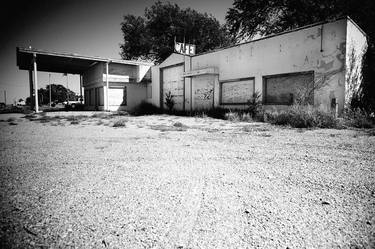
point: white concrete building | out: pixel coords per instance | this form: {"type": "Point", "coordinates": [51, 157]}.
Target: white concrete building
{"type": "Point", "coordinates": [316, 58]}
{"type": "Point", "coordinates": [106, 84]}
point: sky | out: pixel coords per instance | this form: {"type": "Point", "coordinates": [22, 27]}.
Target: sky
{"type": "Point", "coordinates": [76, 26]}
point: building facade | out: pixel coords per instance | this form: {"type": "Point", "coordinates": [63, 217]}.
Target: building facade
{"type": "Point", "coordinates": [320, 64]}
{"type": "Point", "coordinates": [127, 85]}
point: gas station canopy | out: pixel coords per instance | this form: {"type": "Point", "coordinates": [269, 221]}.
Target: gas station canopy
{"type": "Point", "coordinates": [62, 62]}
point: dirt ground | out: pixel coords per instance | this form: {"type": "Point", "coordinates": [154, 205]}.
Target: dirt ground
{"type": "Point", "coordinates": [70, 181]}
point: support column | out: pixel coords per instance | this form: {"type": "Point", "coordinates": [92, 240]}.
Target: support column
{"type": "Point", "coordinates": [36, 85]}
{"type": "Point", "coordinates": [107, 86]}
{"type": "Point", "coordinates": [31, 83]}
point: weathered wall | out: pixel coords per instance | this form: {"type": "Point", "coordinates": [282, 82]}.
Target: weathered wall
{"type": "Point", "coordinates": [173, 82]}
{"type": "Point", "coordinates": [203, 92]}
{"type": "Point", "coordinates": [120, 76]}
{"type": "Point", "coordinates": [156, 77]}
{"type": "Point", "coordinates": [320, 49]}
{"type": "Point", "coordinates": [308, 49]}
{"type": "Point", "coordinates": [356, 46]}
{"type": "Point", "coordinates": [135, 94]}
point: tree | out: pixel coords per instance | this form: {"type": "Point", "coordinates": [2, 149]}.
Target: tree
{"type": "Point", "coordinates": [248, 18]}
{"type": "Point", "coordinates": [152, 37]}
{"type": "Point", "coordinates": [264, 17]}
{"type": "Point", "coordinates": [59, 93]}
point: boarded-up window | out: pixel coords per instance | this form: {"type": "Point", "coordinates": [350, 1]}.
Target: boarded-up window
{"type": "Point", "coordinates": [237, 91]}
{"type": "Point", "coordinates": [117, 96]}
{"type": "Point", "coordinates": [286, 88]}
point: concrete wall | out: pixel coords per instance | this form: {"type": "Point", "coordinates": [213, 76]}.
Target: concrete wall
{"type": "Point", "coordinates": [320, 49]}
{"type": "Point", "coordinates": [157, 86]}
{"type": "Point", "coordinates": [356, 46]}
{"type": "Point", "coordinates": [121, 77]}
{"type": "Point", "coordinates": [134, 94]}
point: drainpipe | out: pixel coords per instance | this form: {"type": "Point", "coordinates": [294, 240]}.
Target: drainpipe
{"type": "Point", "coordinates": [321, 39]}
{"type": "Point", "coordinates": [107, 85]}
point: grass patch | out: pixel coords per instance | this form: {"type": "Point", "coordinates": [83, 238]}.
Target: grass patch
{"type": "Point", "coordinates": [102, 115]}
{"type": "Point", "coordinates": [75, 118]}
{"type": "Point", "coordinates": [164, 128]}
{"type": "Point", "coordinates": [179, 125]}
{"type": "Point", "coordinates": [11, 119]}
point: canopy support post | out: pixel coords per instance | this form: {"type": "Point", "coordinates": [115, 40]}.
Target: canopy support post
{"type": "Point", "coordinates": [36, 84]}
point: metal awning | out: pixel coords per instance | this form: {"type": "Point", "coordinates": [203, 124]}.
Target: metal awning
{"type": "Point", "coordinates": [63, 62]}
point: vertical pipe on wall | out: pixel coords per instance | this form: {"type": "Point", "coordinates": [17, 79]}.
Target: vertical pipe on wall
{"type": "Point", "coordinates": [36, 84]}
{"type": "Point", "coordinates": [321, 39]}
{"type": "Point", "coordinates": [107, 85]}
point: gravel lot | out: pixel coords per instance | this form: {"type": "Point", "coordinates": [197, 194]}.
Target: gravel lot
{"type": "Point", "coordinates": [180, 182]}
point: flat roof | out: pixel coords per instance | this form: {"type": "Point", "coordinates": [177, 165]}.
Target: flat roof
{"type": "Point", "coordinates": [58, 62]}
{"type": "Point", "coordinates": [283, 33]}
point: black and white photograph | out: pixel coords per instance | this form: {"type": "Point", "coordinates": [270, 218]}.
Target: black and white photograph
{"type": "Point", "coordinates": [187, 124]}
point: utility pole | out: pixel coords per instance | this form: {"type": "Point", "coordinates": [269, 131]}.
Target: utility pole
{"type": "Point", "coordinates": [49, 82]}
{"type": "Point", "coordinates": [5, 97]}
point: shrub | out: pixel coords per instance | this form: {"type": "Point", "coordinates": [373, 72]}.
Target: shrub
{"type": "Point", "coordinates": [254, 104]}
{"type": "Point", "coordinates": [178, 124]}
{"type": "Point", "coordinates": [358, 118]}
{"type": "Point", "coordinates": [232, 116]}
{"type": "Point", "coordinates": [300, 116]}
{"type": "Point", "coordinates": [169, 101]}
{"type": "Point", "coordinates": [145, 108]}
{"type": "Point", "coordinates": [120, 123]}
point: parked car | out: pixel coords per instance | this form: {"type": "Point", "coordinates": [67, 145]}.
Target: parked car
{"type": "Point", "coordinates": [73, 105]}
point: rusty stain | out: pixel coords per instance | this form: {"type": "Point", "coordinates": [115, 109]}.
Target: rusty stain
{"type": "Point", "coordinates": [306, 60]}
{"type": "Point", "coordinates": [311, 36]}
{"type": "Point", "coordinates": [332, 95]}
{"type": "Point", "coordinates": [319, 32]}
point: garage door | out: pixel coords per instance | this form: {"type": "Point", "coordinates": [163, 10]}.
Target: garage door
{"type": "Point", "coordinates": [284, 89]}
{"type": "Point", "coordinates": [173, 82]}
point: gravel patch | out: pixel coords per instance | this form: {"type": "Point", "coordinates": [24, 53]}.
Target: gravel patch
{"type": "Point", "coordinates": [74, 180]}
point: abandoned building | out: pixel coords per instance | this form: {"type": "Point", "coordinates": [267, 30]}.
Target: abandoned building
{"type": "Point", "coordinates": [320, 59]}
{"type": "Point", "coordinates": [320, 64]}
{"type": "Point", "coordinates": [106, 84]}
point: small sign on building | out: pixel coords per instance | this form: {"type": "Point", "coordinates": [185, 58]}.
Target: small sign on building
{"type": "Point", "coordinates": [184, 48]}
